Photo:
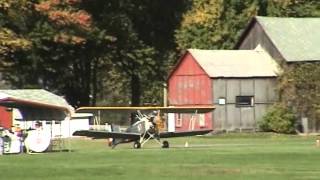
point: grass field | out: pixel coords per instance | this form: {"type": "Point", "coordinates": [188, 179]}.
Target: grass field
{"type": "Point", "coordinates": [231, 156]}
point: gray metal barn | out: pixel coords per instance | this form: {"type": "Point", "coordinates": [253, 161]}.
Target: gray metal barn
{"type": "Point", "coordinates": [242, 85]}
{"type": "Point", "coordinates": [241, 102]}
{"type": "Point", "coordinates": [286, 39]}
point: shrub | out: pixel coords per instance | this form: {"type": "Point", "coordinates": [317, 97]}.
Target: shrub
{"type": "Point", "coordinates": [278, 119]}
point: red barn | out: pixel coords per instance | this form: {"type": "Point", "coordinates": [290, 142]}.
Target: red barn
{"type": "Point", "coordinates": [190, 85]}
{"type": "Point", "coordinates": [239, 83]}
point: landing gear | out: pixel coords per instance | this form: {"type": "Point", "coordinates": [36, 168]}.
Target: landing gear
{"type": "Point", "coordinates": [136, 145]}
{"type": "Point", "coordinates": [165, 144]}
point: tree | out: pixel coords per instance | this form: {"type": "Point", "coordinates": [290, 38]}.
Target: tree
{"type": "Point", "coordinates": [214, 24]}
{"type": "Point", "coordinates": [77, 42]}
{"type": "Point", "coordinates": [86, 49]}
{"type": "Point", "coordinates": [279, 118]}
{"type": "Point", "coordinates": [140, 51]}
{"type": "Point", "coordinates": [293, 8]}
{"type": "Point", "coordinates": [217, 24]}
{"type": "Point", "coordinates": [67, 49]}
{"type": "Point", "coordinates": [13, 15]}
{"type": "Point", "coordinates": [299, 88]}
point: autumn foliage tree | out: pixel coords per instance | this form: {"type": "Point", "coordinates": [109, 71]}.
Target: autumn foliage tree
{"type": "Point", "coordinates": [76, 49]}
{"type": "Point", "coordinates": [67, 49]}
{"type": "Point", "coordinates": [12, 38]}
{"type": "Point", "coordinates": [214, 24]}
{"type": "Point", "coordinates": [65, 17]}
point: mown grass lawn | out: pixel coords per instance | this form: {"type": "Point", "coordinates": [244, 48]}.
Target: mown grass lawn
{"type": "Point", "coordinates": [229, 156]}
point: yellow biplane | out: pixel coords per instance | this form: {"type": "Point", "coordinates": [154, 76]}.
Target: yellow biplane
{"type": "Point", "coordinates": [148, 126]}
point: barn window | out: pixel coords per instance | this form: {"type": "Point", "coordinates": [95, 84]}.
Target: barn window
{"type": "Point", "coordinates": [244, 101]}
{"type": "Point", "coordinates": [202, 121]}
{"type": "Point", "coordinates": [222, 101]}
{"type": "Point", "coordinates": [179, 120]}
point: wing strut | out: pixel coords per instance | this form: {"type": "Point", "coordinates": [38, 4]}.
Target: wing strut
{"type": "Point", "coordinates": [193, 120]}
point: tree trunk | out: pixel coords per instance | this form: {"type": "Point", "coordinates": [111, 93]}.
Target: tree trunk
{"type": "Point", "coordinates": [94, 83]}
{"type": "Point", "coordinates": [135, 94]}
{"type": "Point", "coordinates": [135, 90]}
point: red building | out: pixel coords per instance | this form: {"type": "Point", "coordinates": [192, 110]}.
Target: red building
{"type": "Point", "coordinates": [5, 117]}
{"type": "Point", "coordinates": [190, 85]}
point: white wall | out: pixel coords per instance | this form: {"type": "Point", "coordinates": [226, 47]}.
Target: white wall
{"type": "Point", "coordinates": [64, 128]}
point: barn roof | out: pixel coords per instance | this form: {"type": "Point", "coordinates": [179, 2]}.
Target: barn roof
{"type": "Point", "coordinates": [36, 104]}
{"type": "Point", "coordinates": [297, 39]}
{"type": "Point", "coordinates": [235, 63]}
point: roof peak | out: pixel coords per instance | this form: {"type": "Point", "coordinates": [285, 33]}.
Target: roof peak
{"type": "Point", "coordinates": [296, 38]}
{"type": "Point", "coordinates": [277, 18]}
{"type": "Point", "coordinates": [257, 49]}
{"type": "Point", "coordinates": [235, 63]}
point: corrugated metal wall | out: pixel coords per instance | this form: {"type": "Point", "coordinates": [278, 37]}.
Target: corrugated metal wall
{"type": "Point", "coordinates": [230, 117]}
{"type": "Point", "coordinates": [189, 84]}
{"type": "Point", "coordinates": [190, 90]}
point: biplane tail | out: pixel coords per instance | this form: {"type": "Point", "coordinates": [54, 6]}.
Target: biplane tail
{"type": "Point", "coordinates": [137, 128]}
{"type": "Point", "coordinates": [113, 142]}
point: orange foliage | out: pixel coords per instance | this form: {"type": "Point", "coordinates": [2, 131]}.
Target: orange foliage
{"type": "Point", "coordinates": [44, 6]}
{"type": "Point", "coordinates": [69, 39]}
{"type": "Point", "coordinates": [82, 18]}
{"type": "Point", "coordinates": [65, 17]}
{"type": "Point", "coordinates": [72, 2]}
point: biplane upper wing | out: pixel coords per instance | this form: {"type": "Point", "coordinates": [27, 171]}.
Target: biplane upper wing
{"type": "Point", "coordinates": [169, 109]}
{"type": "Point", "coordinates": [183, 133]}
{"type": "Point", "coordinates": [105, 134]}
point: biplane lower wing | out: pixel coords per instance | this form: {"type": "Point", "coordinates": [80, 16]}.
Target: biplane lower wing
{"type": "Point", "coordinates": [183, 133]}
{"type": "Point", "coordinates": [135, 136]}
{"type": "Point", "coordinates": [105, 134]}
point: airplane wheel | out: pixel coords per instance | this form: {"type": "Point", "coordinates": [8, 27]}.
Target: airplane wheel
{"type": "Point", "coordinates": [136, 145]}
{"type": "Point", "coordinates": [165, 144]}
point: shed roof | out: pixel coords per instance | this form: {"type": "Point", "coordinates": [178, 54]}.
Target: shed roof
{"type": "Point", "coordinates": [36, 104]}
{"type": "Point", "coordinates": [235, 63]}
{"type": "Point", "coordinates": [297, 39]}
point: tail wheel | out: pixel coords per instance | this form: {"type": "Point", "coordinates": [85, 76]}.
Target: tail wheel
{"type": "Point", "coordinates": [136, 145]}
{"type": "Point", "coordinates": [165, 144]}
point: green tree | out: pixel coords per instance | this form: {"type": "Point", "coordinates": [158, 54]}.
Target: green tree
{"type": "Point", "coordinates": [11, 24]}
{"type": "Point", "coordinates": [217, 24]}
{"type": "Point", "coordinates": [294, 8]}
{"type": "Point", "coordinates": [214, 24]}
{"type": "Point", "coordinates": [13, 16]}
{"type": "Point", "coordinates": [143, 41]}
{"type": "Point", "coordinates": [299, 87]}
{"type": "Point", "coordinates": [278, 119]}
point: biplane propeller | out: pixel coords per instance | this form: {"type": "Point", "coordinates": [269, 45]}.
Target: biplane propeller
{"type": "Point", "coordinates": [148, 125]}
